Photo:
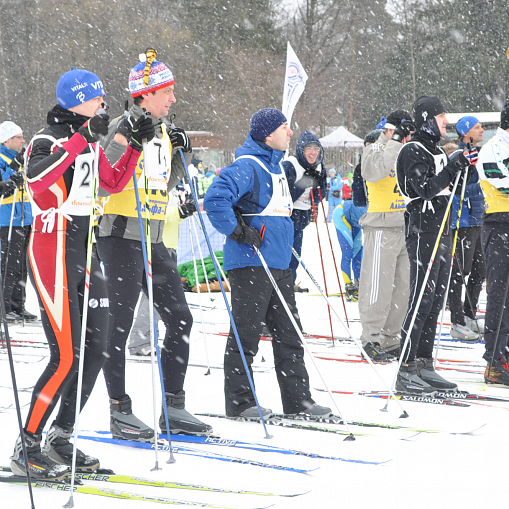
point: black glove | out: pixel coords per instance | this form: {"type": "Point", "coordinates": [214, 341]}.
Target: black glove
{"type": "Point", "coordinates": [143, 129]}
{"type": "Point", "coordinates": [403, 130]}
{"type": "Point", "coordinates": [125, 127]}
{"type": "Point", "coordinates": [179, 139]}
{"type": "Point", "coordinates": [7, 188]}
{"type": "Point", "coordinates": [459, 164]}
{"type": "Point", "coordinates": [18, 179]}
{"type": "Point", "coordinates": [187, 208]}
{"type": "Point", "coordinates": [18, 160]}
{"type": "Point", "coordinates": [244, 234]}
{"type": "Point", "coordinates": [94, 129]}
{"type": "Point", "coordinates": [315, 172]}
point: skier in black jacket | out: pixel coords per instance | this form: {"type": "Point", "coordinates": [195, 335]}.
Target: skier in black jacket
{"type": "Point", "coordinates": [425, 179]}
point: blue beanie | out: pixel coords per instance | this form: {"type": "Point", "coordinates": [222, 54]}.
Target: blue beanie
{"type": "Point", "coordinates": [265, 122]}
{"type": "Point", "coordinates": [381, 124]}
{"type": "Point", "coordinates": [78, 86]}
{"type": "Point", "coordinates": [464, 125]}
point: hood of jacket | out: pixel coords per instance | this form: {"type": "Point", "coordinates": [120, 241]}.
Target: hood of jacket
{"type": "Point", "coordinates": [307, 138]}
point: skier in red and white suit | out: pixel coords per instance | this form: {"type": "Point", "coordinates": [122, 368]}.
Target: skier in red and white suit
{"type": "Point", "coordinates": [60, 176]}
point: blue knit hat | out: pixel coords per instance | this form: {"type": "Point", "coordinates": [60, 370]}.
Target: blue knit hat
{"type": "Point", "coordinates": [78, 86]}
{"type": "Point", "coordinates": [464, 124]}
{"type": "Point", "coordinates": [265, 122]}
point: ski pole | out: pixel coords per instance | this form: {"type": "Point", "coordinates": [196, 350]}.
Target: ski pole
{"type": "Point", "coordinates": [299, 333]}
{"type": "Point", "coordinates": [500, 316]}
{"type": "Point", "coordinates": [232, 321]}
{"type": "Point", "coordinates": [455, 240]}
{"type": "Point", "coordinates": [147, 260]}
{"type": "Point", "coordinates": [199, 298]}
{"type": "Point", "coordinates": [23, 256]}
{"type": "Point", "coordinates": [347, 329]}
{"type": "Point", "coordinates": [333, 257]}
{"type": "Point", "coordinates": [15, 391]}
{"type": "Point", "coordinates": [192, 225]}
{"type": "Point", "coordinates": [323, 266]}
{"type": "Point", "coordinates": [223, 275]}
{"type": "Point", "coordinates": [10, 233]}
{"type": "Point", "coordinates": [423, 287]}
{"type": "Point", "coordinates": [86, 291]}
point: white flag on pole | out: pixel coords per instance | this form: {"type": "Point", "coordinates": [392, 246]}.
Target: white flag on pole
{"type": "Point", "coordinates": [295, 82]}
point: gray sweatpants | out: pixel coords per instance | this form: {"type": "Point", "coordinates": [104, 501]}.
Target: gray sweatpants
{"type": "Point", "coordinates": [384, 286]}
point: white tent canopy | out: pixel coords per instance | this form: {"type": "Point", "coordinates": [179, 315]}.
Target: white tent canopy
{"type": "Point", "coordinates": [341, 138]}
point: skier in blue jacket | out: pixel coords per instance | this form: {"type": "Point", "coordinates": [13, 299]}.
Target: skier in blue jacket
{"type": "Point", "coordinates": [255, 186]}
{"type": "Point", "coordinates": [468, 259]}
{"type": "Point", "coordinates": [17, 222]}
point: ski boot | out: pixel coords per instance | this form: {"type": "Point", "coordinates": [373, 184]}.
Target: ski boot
{"type": "Point", "coordinates": [474, 324]}
{"type": "Point", "coordinates": [463, 333]}
{"type": "Point", "coordinates": [181, 421]}
{"type": "Point", "coordinates": [409, 381]}
{"type": "Point", "coordinates": [376, 353]}
{"type": "Point", "coordinates": [352, 293]}
{"type": "Point", "coordinates": [125, 425]}
{"type": "Point", "coordinates": [427, 372]}
{"type": "Point", "coordinates": [42, 467]}
{"type": "Point", "coordinates": [499, 372]}
{"type": "Point", "coordinates": [252, 413]}
{"type": "Point", "coordinates": [312, 410]}
{"type": "Point", "coordinates": [59, 448]}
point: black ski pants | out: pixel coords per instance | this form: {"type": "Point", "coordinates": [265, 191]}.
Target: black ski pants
{"type": "Point", "coordinates": [125, 276]}
{"type": "Point", "coordinates": [468, 261]}
{"type": "Point", "coordinates": [254, 301]}
{"type": "Point", "coordinates": [422, 336]}
{"type": "Point", "coordinates": [495, 242]}
{"type": "Point", "coordinates": [14, 276]}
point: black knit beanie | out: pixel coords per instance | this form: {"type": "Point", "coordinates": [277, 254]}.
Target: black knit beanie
{"type": "Point", "coordinates": [426, 107]}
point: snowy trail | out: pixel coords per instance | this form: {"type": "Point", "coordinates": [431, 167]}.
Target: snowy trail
{"type": "Point", "coordinates": [440, 470]}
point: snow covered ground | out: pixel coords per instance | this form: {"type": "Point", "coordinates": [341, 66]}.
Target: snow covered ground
{"type": "Point", "coordinates": [440, 469]}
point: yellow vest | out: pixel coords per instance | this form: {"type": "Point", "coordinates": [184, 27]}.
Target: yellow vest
{"type": "Point", "coordinates": [19, 194]}
{"type": "Point", "coordinates": [384, 195]}
{"type": "Point", "coordinates": [124, 203]}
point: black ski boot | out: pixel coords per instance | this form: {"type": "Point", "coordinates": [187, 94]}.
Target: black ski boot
{"type": "Point", "coordinates": [312, 410]}
{"type": "Point", "coordinates": [59, 448]}
{"type": "Point", "coordinates": [427, 372]}
{"type": "Point", "coordinates": [181, 421]}
{"type": "Point", "coordinates": [409, 381]}
{"type": "Point", "coordinates": [125, 425]}
{"type": "Point", "coordinates": [252, 413]}
{"type": "Point", "coordinates": [42, 468]}
{"type": "Point", "coordinates": [376, 354]}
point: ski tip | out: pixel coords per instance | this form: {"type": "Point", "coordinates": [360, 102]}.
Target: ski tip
{"type": "Point", "coordinates": [472, 432]}
{"type": "Point", "coordinates": [296, 494]}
